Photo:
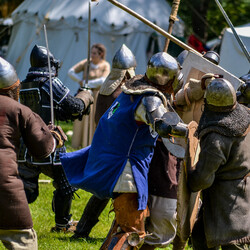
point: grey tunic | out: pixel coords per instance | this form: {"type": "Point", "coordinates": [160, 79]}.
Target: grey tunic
{"type": "Point", "coordinates": [221, 173]}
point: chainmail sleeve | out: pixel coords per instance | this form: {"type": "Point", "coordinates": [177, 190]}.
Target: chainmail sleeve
{"type": "Point", "coordinates": [70, 108]}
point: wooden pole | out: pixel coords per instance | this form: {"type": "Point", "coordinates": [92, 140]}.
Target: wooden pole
{"type": "Point", "coordinates": [172, 19]}
{"type": "Point", "coordinates": [155, 27]}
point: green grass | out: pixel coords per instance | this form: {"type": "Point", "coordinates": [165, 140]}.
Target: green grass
{"type": "Point", "coordinates": [43, 217]}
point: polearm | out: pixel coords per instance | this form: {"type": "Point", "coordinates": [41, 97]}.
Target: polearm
{"type": "Point", "coordinates": [88, 58]}
{"type": "Point", "coordinates": [243, 47]}
{"type": "Point", "coordinates": [50, 81]}
{"type": "Point", "coordinates": [172, 19]}
{"type": "Point", "coordinates": [155, 27]}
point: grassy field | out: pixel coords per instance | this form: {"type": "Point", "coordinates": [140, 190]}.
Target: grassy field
{"type": "Point", "coordinates": [43, 218]}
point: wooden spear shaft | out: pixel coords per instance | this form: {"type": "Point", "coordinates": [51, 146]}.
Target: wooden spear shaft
{"type": "Point", "coordinates": [154, 26]}
{"type": "Point", "coordinates": [172, 19]}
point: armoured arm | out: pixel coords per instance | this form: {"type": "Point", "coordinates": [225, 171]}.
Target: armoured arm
{"type": "Point", "coordinates": [211, 157]}
{"type": "Point", "coordinates": [73, 108]}
{"type": "Point", "coordinates": [66, 106]}
{"type": "Point", "coordinates": [164, 122]}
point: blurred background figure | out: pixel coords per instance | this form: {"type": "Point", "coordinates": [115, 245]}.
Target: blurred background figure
{"type": "Point", "coordinates": [99, 68]}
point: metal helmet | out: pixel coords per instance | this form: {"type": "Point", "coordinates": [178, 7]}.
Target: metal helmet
{"type": "Point", "coordinates": [220, 93]}
{"type": "Point", "coordinates": [243, 93]}
{"type": "Point", "coordinates": [39, 58]}
{"type": "Point", "coordinates": [163, 69]}
{"type": "Point", "coordinates": [181, 57]}
{"type": "Point", "coordinates": [124, 58]}
{"type": "Point", "coordinates": [212, 56]}
{"type": "Point", "coordinates": [246, 77]}
{"type": "Point", "coordinates": [8, 75]}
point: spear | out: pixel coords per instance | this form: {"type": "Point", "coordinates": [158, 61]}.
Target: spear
{"type": "Point", "coordinates": [243, 47]}
{"type": "Point", "coordinates": [154, 26]}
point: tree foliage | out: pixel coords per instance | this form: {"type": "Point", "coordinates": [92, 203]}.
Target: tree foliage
{"type": "Point", "coordinates": [206, 18]}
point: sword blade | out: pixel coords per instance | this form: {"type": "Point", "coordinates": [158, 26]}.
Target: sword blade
{"type": "Point", "coordinates": [50, 80]}
{"type": "Point", "coordinates": [88, 59]}
{"type": "Point", "coordinates": [243, 47]}
{"type": "Point", "coordinates": [154, 26]}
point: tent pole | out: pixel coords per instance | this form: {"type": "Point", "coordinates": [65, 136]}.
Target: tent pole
{"type": "Point", "coordinates": [155, 27]}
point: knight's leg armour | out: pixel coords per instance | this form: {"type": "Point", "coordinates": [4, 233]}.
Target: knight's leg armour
{"type": "Point", "coordinates": [128, 229]}
{"type": "Point", "coordinates": [63, 195]}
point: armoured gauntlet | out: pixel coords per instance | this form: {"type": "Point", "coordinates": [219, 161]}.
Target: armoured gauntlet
{"type": "Point", "coordinates": [86, 96]}
{"type": "Point", "coordinates": [164, 122]}
{"type": "Point", "coordinates": [169, 125]}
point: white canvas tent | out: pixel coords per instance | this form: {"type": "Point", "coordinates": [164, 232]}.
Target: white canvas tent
{"type": "Point", "coordinates": [232, 58]}
{"type": "Point", "coordinates": [67, 29]}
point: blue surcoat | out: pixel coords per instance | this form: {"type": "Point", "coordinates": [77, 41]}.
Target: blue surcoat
{"type": "Point", "coordinates": [118, 137]}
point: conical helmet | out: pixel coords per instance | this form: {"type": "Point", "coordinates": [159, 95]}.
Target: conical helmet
{"type": "Point", "coordinates": [8, 75]}
{"type": "Point", "coordinates": [124, 58]}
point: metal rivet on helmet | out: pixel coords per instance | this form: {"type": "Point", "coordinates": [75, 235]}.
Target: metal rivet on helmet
{"type": "Point", "coordinates": [124, 58]}
{"type": "Point", "coordinates": [220, 93]}
{"type": "Point", "coordinates": [8, 75]}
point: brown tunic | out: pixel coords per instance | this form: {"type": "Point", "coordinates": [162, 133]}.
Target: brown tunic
{"type": "Point", "coordinates": [104, 102]}
{"type": "Point", "coordinates": [17, 120]}
{"type": "Point", "coordinates": [163, 172]}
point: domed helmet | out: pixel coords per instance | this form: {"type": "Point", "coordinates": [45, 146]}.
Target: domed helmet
{"type": "Point", "coordinates": [124, 58]}
{"type": "Point", "coordinates": [163, 71]}
{"type": "Point", "coordinates": [8, 75]}
{"type": "Point", "coordinates": [39, 58]}
{"type": "Point", "coordinates": [220, 95]}
{"type": "Point", "coordinates": [212, 56]}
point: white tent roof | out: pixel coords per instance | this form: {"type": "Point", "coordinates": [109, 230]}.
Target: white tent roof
{"type": "Point", "coordinates": [67, 29]}
{"type": "Point", "coordinates": [232, 58]}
